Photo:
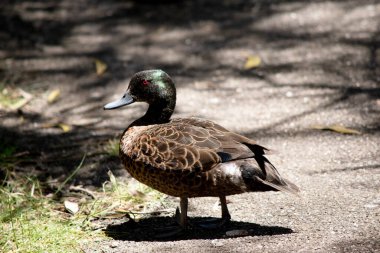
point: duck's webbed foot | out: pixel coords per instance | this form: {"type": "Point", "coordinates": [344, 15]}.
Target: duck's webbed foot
{"type": "Point", "coordinates": [181, 220]}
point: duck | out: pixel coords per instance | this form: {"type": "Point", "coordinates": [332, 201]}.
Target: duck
{"type": "Point", "coordinates": [190, 157]}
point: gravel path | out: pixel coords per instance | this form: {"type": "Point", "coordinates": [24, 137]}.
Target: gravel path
{"type": "Point", "coordinates": [320, 66]}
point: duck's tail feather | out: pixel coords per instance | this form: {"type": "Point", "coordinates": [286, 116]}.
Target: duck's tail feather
{"type": "Point", "coordinates": [260, 175]}
{"type": "Point", "coordinates": [287, 187]}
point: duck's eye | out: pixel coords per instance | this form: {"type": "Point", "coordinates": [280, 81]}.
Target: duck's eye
{"type": "Point", "coordinates": [145, 82]}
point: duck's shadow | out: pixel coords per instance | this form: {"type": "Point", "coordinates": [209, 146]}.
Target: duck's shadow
{"type": "Point", "coordinates": [148, 229]}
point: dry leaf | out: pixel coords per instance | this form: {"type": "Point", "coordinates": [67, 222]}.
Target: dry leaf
{"type": "Point", "coordinates": [53, 96]}
{"type": "Point", "coordinates": [253, 61]}
{"type": "Point", "coordinates": [101, 67]}
{"type": "Point", "coordinates": [71, 207]}
{"type": "Point", "coordinates": [336, 128]}
{"type": "Point", "coordinates": [27, 97]}
{"type": "Point", "coordinates": [19, 104]}
{"type": "Point", "coordinates": [48, 125]}
{"type": "Point", "coordinates": [14, 99]}
{"type": "Point", "coordinates": [65, 128]}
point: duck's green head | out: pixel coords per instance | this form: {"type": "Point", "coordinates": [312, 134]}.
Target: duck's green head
{"type": "Point", "coordinates": [151, 86]}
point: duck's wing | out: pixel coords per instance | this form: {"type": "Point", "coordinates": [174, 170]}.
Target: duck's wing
{"type": "Point", "coordinates": [256, 172]}
{"type": "Point", "coordinates": [185, 145]}
{"type": "Point", "coordinates": [217, 130]}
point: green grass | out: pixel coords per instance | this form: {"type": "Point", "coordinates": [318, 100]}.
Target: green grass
{"type": "Point", "coordinates": [9, 97]}
{"type": "Point", "coordinates": [34, 220]}
{"type": "Point", "coordinates": [112, 147]}
{"type": "Point", "coordinates": [130, 196]}
{"type": "Point", "coordinates": [31, 222]}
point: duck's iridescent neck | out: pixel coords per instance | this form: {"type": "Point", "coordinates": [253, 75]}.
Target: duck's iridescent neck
{"type": "Point", "coordinates": [158, 113]}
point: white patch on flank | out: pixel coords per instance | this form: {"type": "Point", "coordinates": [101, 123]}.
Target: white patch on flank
{"type": "Point", "coordinates": [232, 172]}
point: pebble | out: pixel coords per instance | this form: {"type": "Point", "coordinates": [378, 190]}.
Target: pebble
{"type": "Point", "coordinates": [114, 245]}
{"type": "Point", "coordinates": [216, 243]}
{"type": "Point", "coordinates": [289, 94]}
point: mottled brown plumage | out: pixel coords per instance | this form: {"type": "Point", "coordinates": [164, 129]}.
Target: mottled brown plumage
{"type": "Point", "coordinates": [190, 157]}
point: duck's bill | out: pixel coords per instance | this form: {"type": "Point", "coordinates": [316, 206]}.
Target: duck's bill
{"type": "Point", "coordinates": [125, 100]}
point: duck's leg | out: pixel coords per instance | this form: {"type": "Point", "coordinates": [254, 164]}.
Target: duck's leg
{"type": "Point", "coordinates": [226, 217]}
{"type": "Point", "coordinates": [218, 223]}
{"type": "Point", "coordinates": [181, 219]}
{"type": "Point", "coordinates": [184, 202]}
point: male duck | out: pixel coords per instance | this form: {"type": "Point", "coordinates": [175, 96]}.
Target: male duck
{"type": "Point", "coordinates": [189, 157]}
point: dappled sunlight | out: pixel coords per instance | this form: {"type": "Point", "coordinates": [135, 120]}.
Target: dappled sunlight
{"type": "Point", "coordinates": [307, 57]}
{"type": "Point", "coordinates": [299, 18]}
{"type": "Point", "coordinates": [314, 65]}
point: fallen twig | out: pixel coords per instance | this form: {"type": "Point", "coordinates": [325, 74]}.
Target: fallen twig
{"type": "Point", "coordinates": [81, 189]}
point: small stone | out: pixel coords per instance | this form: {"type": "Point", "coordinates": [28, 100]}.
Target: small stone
{"type": "Point", "coordinates": [71, 207]}
{"type": "Point", "coordinates": [289, 94]}
{"type": "Point", "coordinates": [216, 243]}
{"type": "Point", "coordinates": [114, 245]}
{"type": "Point", "coordinates": [214, 100]}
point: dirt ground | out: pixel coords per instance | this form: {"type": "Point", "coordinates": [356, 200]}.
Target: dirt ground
{"type": "Point", "coordinates": [319, 66]}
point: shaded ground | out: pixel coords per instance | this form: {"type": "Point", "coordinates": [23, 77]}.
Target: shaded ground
{"type": "Point", "coordinates": [320, 65]}
{"type": "Point", "coordinates": [148, 230]}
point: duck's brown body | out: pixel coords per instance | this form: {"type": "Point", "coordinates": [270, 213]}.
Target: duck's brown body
{"type": "Point", "coordinates": [189, 157]}
{"type": "Point", "coordinates": [197, 158]}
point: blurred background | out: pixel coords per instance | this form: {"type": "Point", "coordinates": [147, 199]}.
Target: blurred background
{"type": "Point", "coordinates": [278, 71]}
